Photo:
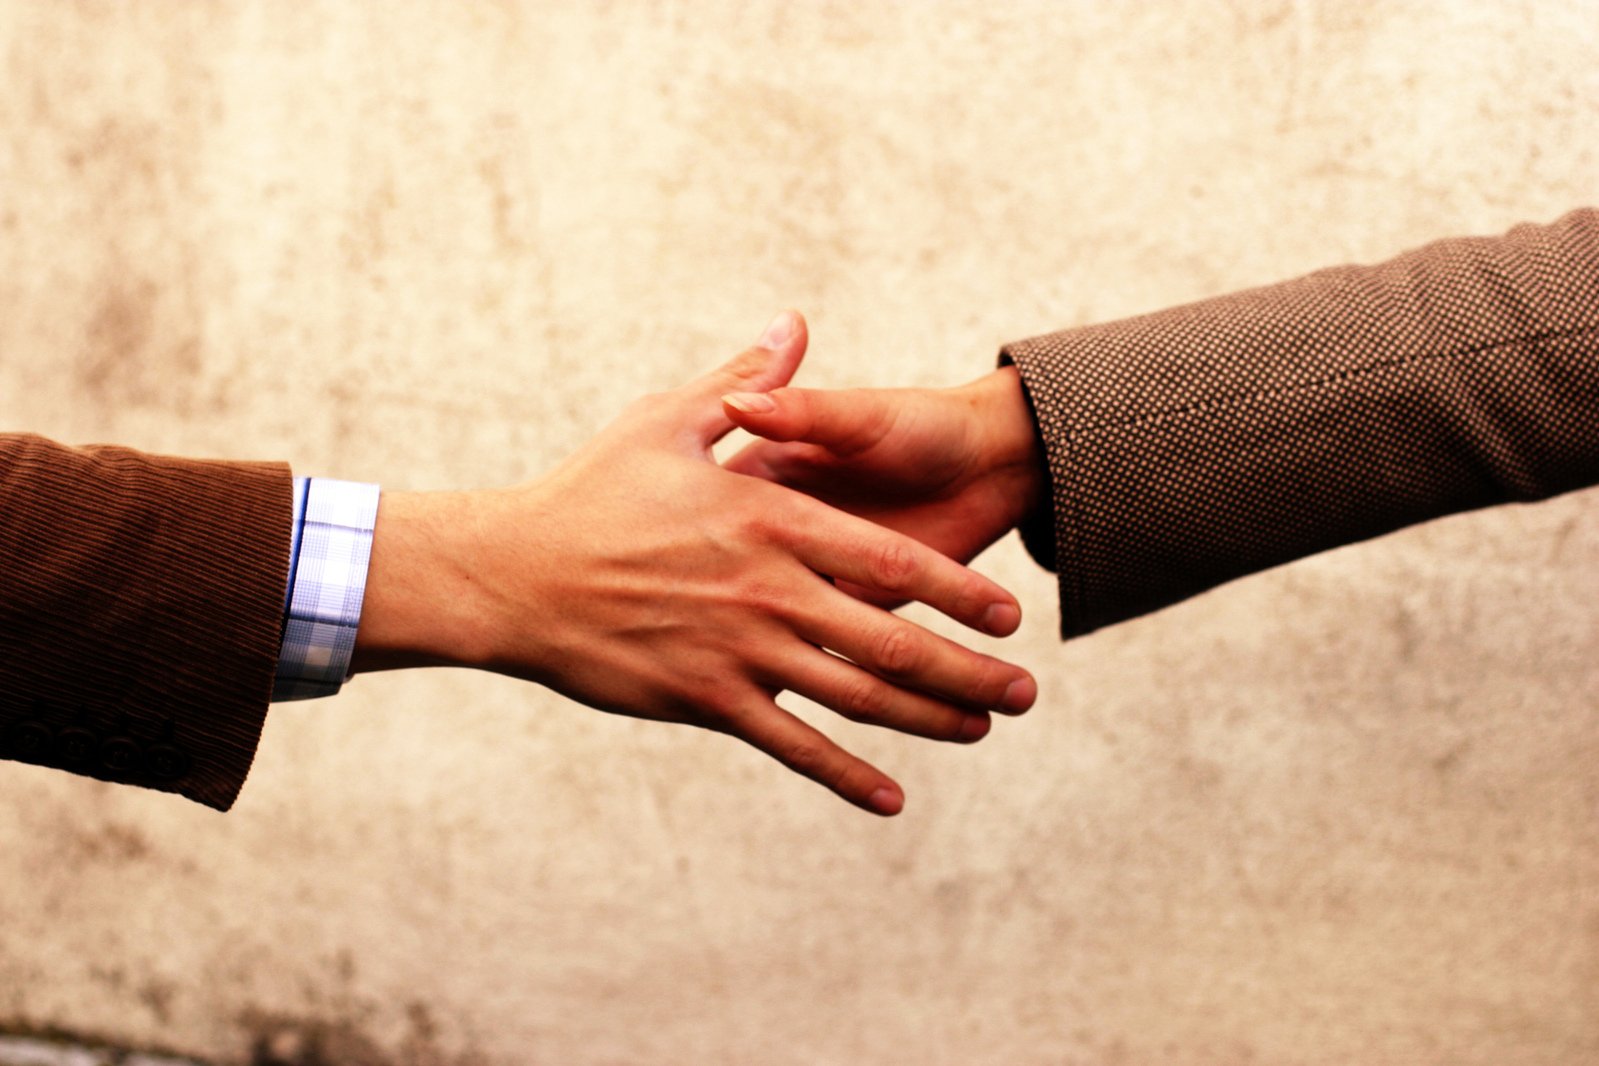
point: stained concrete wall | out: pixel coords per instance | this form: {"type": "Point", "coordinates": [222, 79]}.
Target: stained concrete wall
{"type": "Point", "coordinates": [1346, 811]}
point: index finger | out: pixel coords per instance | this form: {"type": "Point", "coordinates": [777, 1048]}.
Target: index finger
{"type": "Point", "coordinates": [844, 421]}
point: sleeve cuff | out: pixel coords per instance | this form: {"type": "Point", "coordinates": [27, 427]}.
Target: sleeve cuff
{"type": "Point", "coordinates": [1038, 528]}
{"type": "Point", "coordinates": [331, 550]}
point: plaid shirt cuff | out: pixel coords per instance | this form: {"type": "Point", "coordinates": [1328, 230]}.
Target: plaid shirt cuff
{"type": "Point", "coordinates": [331, 547]}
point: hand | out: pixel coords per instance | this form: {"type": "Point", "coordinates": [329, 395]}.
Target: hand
{"type": "Point", "coordinates": [639, 577]}
{"type": "Point", "coordinates": [954, 468]}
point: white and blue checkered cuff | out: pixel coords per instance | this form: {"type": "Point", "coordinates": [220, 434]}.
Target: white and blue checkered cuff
{"type": "Point", "coordinates": [332, 547]}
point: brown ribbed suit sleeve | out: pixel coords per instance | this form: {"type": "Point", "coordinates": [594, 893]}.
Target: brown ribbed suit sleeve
{"type": "Point", "coordinates": [141, 608]}
{"type": "Point", "coordinates": [1193, 446]}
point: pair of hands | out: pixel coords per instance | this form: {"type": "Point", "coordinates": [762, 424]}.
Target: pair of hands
{"type": "Point", "coordinates": [641, 578]}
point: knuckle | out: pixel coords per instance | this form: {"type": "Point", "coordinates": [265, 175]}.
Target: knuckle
{"type": "Point", "coordinates": [744, 366]}
{"type": "Point", "coordinates": [987, 685]}
{"type": "Point", "coordinates": [806, 758]}
{"type": "Point", "coordinates": [762, 593]}
{"type": "Point", "coordinates": [893, 565]}
{"type": "Point", "coordinates": [862, 700]}
{"type": "Point", "coordinates": [765, 604]}
{"type": "Point", "coordinates": [974, 598]}
{"type": "Point", "coordinates": [844, 780]}
{"type": "Point", "coordinates": [774, 515]}
{"type": "Point", "coordinates": [896, 650]}
{"type": "Point", "coordinates": [718, 701]}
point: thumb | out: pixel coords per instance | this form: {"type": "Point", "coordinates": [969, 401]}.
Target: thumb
{"type": "Point", "coordinates": [770, 364]}
{"type": "Point", "coordinates": [846, 423]}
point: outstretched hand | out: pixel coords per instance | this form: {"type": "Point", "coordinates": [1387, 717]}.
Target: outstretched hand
{"type": "Point", "coordinates": [639, 577]}
{"type": "Point", "coordinates": [954, 468]}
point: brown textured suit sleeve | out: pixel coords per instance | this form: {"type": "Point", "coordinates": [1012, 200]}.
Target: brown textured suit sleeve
{"type": "Point", "coordinates": [141, 607]}
{"type": "Point", "coordinates": [1196, 445]}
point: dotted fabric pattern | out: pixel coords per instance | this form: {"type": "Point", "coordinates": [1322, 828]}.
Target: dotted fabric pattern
{"type": "Point", "coordinates": [1193, 446]}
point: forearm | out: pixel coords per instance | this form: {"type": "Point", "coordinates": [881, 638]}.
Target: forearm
{"type": "Point", "coordinates": [140, 613]}
{"type": "Point", "coordinates": [1196, 445]}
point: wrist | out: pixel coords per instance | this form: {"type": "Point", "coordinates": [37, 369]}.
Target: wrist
{"type": "Point", "coordinates": [1011, 446]}
{"type": "Point", "coordinates": [424, 603]}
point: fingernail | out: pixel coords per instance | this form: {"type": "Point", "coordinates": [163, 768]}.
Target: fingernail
{"type": "Point", "coordinates": [1002, 619]}
{"type": "Point", "coordinates": [778, 331]}
{"type": "Point", "coordinates": [755, 403]}
{"type": "Point", "coordinates": [885, 801]}
{"type": "Point", "coordinates": [975, 727]}
{"type": "Point", "coordinates": [1019, 695]}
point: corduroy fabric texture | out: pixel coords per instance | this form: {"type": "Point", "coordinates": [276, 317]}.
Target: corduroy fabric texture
{"type": "Point", "coordinates": [1192, 446]}
{"type": "Point", "coordinates": [141, 608]}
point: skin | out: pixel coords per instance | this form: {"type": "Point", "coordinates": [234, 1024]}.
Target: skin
{"type": "Point", "coordinates": [641, 578]}
{"type": "Point", "coordinates": [954, 468]}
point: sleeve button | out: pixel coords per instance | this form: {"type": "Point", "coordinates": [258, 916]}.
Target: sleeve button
{"type": "Point", "coordinates": [75, 745]}
{"type": "Point", "coordinates": [120, 755]}
{"type": "Point", "coordinates": [166, 762]}
{"type": "Point", "coordinates": [28, 740]}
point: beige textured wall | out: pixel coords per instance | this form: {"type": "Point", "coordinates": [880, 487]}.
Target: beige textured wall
{"type": "Point", "coordinates": [1343, 812]}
